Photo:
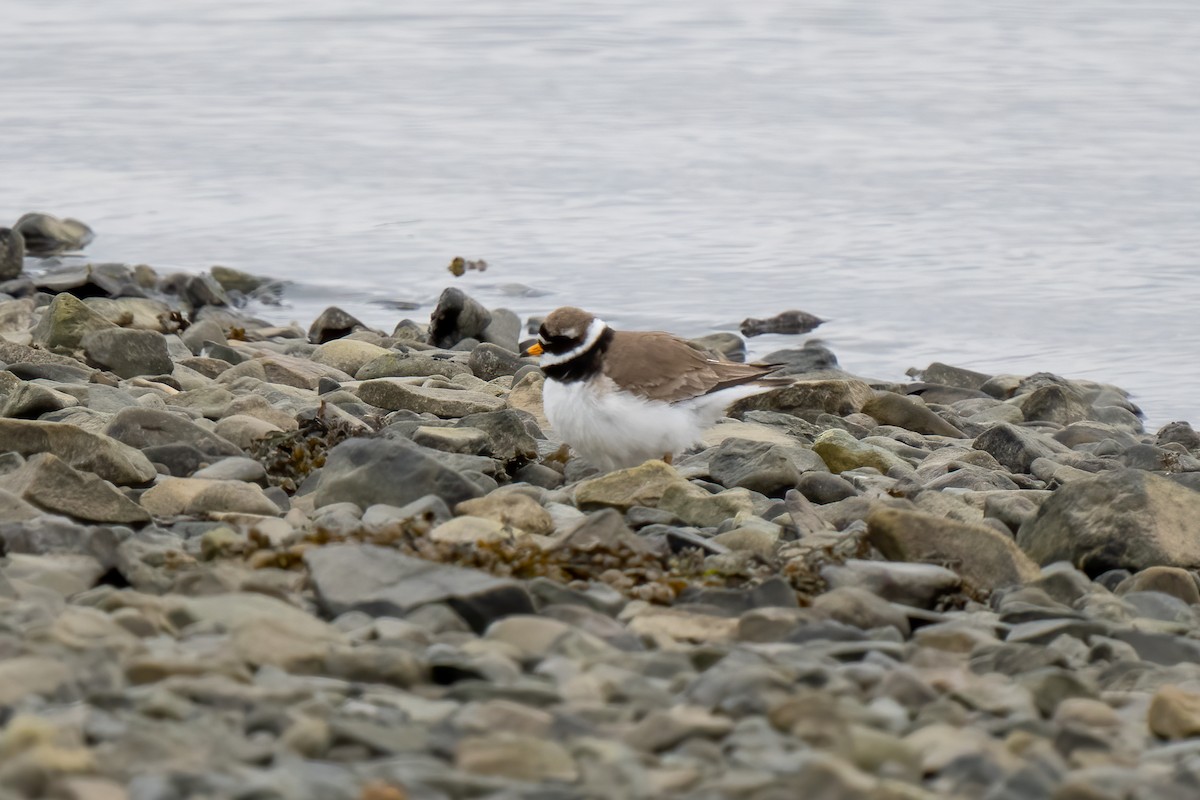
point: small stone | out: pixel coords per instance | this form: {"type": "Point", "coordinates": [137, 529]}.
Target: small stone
{"type": "Point", "coordinates": [470, 441]}
{"type": "Point", "coordinates": [516, 757]}
{"type": "Point", "coordinates": [490, 361]}
{"type": "Point", "coordinates": [1176, 582]}
{"type": "Point", "coordinates": [244, 430]}
{"type": "Point", "coordinates": [1174, 713]}
{"type": "Point", "coordinates": [51, 484]}
{"type": "Point", "coordinates": [726, 345]}
{"type": "Point", "coordinates": [410, 365]}
{"type": "Point", "coordinates": [1057, 403]}
{"type": "Point", "coordinates": [392, 472]}
{"type": "Point", "coordinates": [917, 585]}
{"type": "Point", "coordinates": [348, 355]}
{"type": "Point", "coordinates": [662, 730]}
{"type": "Point", "coordinates": [622, 489]}
{"type": "Point", "coordinates": [786, 322]}
{"type": "Point", "coordinates": [504, 330]}
{"type": "Point", "coordinates": [516, 510]}
{"type": "Point", "coordinates": [149, 427]}
{"type": "Point", "coordinates": [852, 605]}
{"type": "Point", "coordinates": [762, 467]}
{"type": "Point", "coordinates": [823, 487]}
{"type": "Point", "coordinates": [195, 496]}
{"type": "Point", "coordinates": [332, 323]}
{"type": "Point", "coordinates": [694, 506]}
{"type": "Point", "coordinates": [842, 452]}
{"type": "Point", "coordinates": [840, 397]}
{"type": "Point", "coordinates": [1017, 448]}
{"type": "Point", "coordinates": [87, 452]}
{"type": "Point", "coordinates": [893, 409]}
{"type": "Point", "coordinates": [470, 530]}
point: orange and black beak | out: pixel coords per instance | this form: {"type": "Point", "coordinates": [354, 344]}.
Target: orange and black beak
{"type": "Point", "coordinates": [534, 349]}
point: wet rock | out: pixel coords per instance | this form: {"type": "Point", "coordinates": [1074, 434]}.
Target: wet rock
{"type": "Point", "coordinates": [197, 496]}
{"type": "Point", "coordinates": [787, 322]}
{"type": "Point", "coordinates": [516, 510]}
{"type": "Point", "coordinates": [383, 582]}
{"type": "Point", "coordinates": [12, 253]}
{"type": "Point", "coordinates": [842, 452]}
{"type": "Point", "coordinates": [1174, 713]}
{"type": "Point", "coordinates": [47, 235]}
{"type": "Point", "coordinates": [985, 558]}
{"type": "Point", "coordinates": [88, 452]}
{"type": "Point", "coordinates": [48, 482]}
{"type": "Point", "coordinates": [332, 323]}
{"type": "Point", "coordinates": [394, 395]}
{"type": "Point", "coordinates": [1152, 525]}
{"type": "Point", "coordinates": [65, 322]}
{"type": "Point", "coordinates": [762, 467]}
{"type": "Point", "coordinates": [809, 397]}
{"type": "Point", "coordinates": [455, 318]}
{"type": "Point", "coordinates": [1017, 448]}
{"type": "Point", "coordinates": [917, 585]}
{"type": "Point", "coordinates": [149, 427]}
{"type": "Point", "coordinates": [937, 372]}
{"type": "Point", "coordinates": [127, 352]}
{"type": "Point", "coordinates": [392, 472]}
{"type": "Point", "coordinates": [893, 409]}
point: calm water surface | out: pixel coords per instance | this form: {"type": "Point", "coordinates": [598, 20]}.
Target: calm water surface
{"type": "Point", "coordinates": [1004, 186]}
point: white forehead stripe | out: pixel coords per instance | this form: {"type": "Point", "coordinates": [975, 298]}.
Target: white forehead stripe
{"type": "Point", "coordinates": [594, 332]}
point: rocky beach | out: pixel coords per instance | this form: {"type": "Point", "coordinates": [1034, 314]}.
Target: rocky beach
{"type": "Point", "coordinates": [251, 560]}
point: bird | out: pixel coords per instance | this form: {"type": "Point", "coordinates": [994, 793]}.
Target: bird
{"type": "Point", "coordinates": [621, 398]}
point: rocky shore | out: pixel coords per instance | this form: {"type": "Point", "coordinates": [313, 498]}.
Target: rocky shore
{"type": "Point", "coordinates": [248, 560]}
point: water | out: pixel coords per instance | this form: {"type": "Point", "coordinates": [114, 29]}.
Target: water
{"type": "Point", "coordinates": [1008, 187]}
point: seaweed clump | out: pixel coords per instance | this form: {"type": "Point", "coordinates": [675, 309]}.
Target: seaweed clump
{"type": "Point", "coordinates": [289, 456]}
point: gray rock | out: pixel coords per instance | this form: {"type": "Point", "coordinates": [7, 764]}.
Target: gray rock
{"type": "Point", "coordinates": [181, 460]}
{"type": "Point", "coordinates": [852, 605]}
{"type": "Point", "coordinates": [195, 496]}
{"type": "Point", "coordinates": [393, 472]}
{"type": "Point", "coordinates": [14, 509]}
{"type": "Point", "coordinates": [1017, 448]}
{"type": "Point", "coordinates": [470, 441]}
{"type": "Point", "coordinates": [233, 280]}
{"type": "Point", "coordinates": [203, 290]}
{"type": "Point", "coordinates": [770, 469]}
{"type": "Point", "coordinates": [1178, 433]}
{"type": "Point", "coordinates": [824, 487]}
{"type": "Point", "coordinates": [110, 459]}
{"type": "Point", "coordinates": [504, 330]}
{"type": "Point", "coordinates": [410, 365]}
{"type": "Point", "coordinates": [46, 235]}
{"type": "Point", "coordinates": [48, 482]}
{"type": "Point", "coordinates": [812, 397]}
{"type": "Point", "coordinates": [771, 593]}
{"type": "Point", "coordinates": [510, 434]}
{"type": "Point", "coordinates": [383, 582]}
{"type": "Point", "coordinates": [917, 585]}
{"type": "Point", "coordinates": [725, 345]}
{"type": "Point", "coordinates": [393, 395]}
{"type": "Point", "coordinates": [489, 361]}
{"type": "Point", "coordinates": [812, 357]}
{"type": "Point", "coordinates": [455, 318]}
{"type": "Point", "coordinates": [1058, 403]}
{"type": "Point", "coordinates": [54, 534]}
{"type": "Point", "coordinates": [201, 333]}
{"type": "Point", "coordinates": [235, 468]}
{"type": "Point", "coordinates": [150, 427]}
{"type": "Point", "coordinates": [332, 323]}
{"type": "Point", "coordinates": [128, 352]}
{"type": "Point", "coordinates": [1152, 525]}
{"type": "Point", "coordinates": [893, 409]}
{"type": "Point", "coordinates": [22, 399]}
{"type": "Point", "coordinates": [12, 253]}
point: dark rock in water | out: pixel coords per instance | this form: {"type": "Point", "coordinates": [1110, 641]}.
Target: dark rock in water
{"type": "Point", "coordinates": [332, 323]}
{"type": "Point", "coordinates": [457, 317]}
{"type": "Point", "coordinates": [1179, 433]}
{"type": "Point", "coordinates": [504, 330]}
{"type": "Point", "coordinates": [489, 361]}
{"type": "Point", "coordinates": [149, 427]}
{"type": "Point", "coordinates": [46, 235]}
{"type": "Point", "coordinates": [787, 322]}
{"type": "Point", "coordinates": [812, 357]}
{"type": "Point", "coordinates": [395, 472]}
{"type": "Point", "coordinates": [1124, 519]}
{"type": "Point", "coordinates": [1015, 447]}
{"type": "Point", "coordinates": [233, 280]}
{"type": "Point", "coordinates": [181, 460]}
{"type": "Point", "coordinates": [12, 253]}
{"type": "Point", "coordinates": [725, 344]}
{"type": "Point", "coordinates": [128, 352]}
{"type": "Point", "coordinates": [203, 290]}
{"type": "Point", "coordinates": [944, 374]}
{"type": "Point", "coordinates": [383, 582]}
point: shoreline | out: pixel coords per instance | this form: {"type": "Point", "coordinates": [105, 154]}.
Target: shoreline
{"type": "Point", "coordinates": [347, 561]}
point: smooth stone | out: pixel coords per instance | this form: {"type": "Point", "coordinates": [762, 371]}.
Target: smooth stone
{"type": "Point", "coordinates": [694, 506]}
{"type": "Point", "coordinates": [22, 399]}
{"type": "Point", "coordinates": [1057, 403]}
{"type": "Point", "coordinates": [202, 290]}
{"type": "Point", "coordinates": [504, 330]}
{"type": "Point", "coordinates": [348, 355]}
{"type": "Point", "coordinates": [181, 460]}
{"type": "Point", "coordinates": [393, 472]}
{"type": "Point", "coordinates": [1180, 433]}
{"type": "Point", "coordinates": [1016, 448]}
{"type": "Point", "coordinates": [852, 605]}
{"type": "Point", "coordinates": [14, 509]}
{"type": "Point", "coordinates": [769, 469]}
{"type": "Point", "coordinates": [510, 509]}
{"type": "Point", "coordinates": [65, 322]}
{"type": "Point", "coordinates": [244, 430]}
{"type": "Point", "coordinates": [470, 530]}
{"type": "Point", "coordinates": [985, 558]}
{"type": "Point", "coordinates": [149, 427]}
{"type": "Point", "coordinates": [391, 394]}
{"type": "Point", "coordinates": [823, 487]}
{"type": "Point", "coordinates": [23, 676]}
{"type": "Point", "coordinates": [195, 496]}
{"type": "Point", "coordinates": [455, 318]}
{"type": "Point", "coordinates": [663, 729]}
{"type": "Point", "coordinates": [893, 409]}
{"type": "Point", "coordinates": [839, 397]}
{"type": "Point", "coordinates": [236, 468]}
{"type": "Point", "coordinates": [1174, 713]}
{"type": "Point", "coordinates": [1178, 583]}
{"type": "Point", "coordinates": [643, 485]}
{"type": "Point", "coordinates": [51, 484]}
{"type": "Point", "coordinates": [234, 280]}
{"type": "Point", "coordinates": [1080, 523]}
{"type": "Point", "coordinates": [771, 593]}
{"type": "Point", "coordinates": [286, 370]}
{"type": "Point", "coordinates": [88, 452]}
{"type": "Point", "coordinates": [517, 757]}
{"type": "Point", "coordinates": [490, 361]}
{"type": "Point", "coordinates": [332, 323]}
{"type": "Point", "coordinates": [842, 452]}
{"type": "Point", "coordinates": [46, 234]}
{"type": "Point", "coordinates": [512, 436]}
{"type": "Point", "coordinates": [383, 582]}
{"type": "Point", "coordinates": [812, 357]}
{"type": "Point", "coordinates": [470, 441]}
{"type": "Point", "coordinates": [760, 542]}
{"type": "Point", "coordinates": [937, 372]}
{"type": "Point", "coordinates": [917, 585]}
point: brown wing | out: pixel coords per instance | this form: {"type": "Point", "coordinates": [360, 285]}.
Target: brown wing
{"type": "Point", "coordinates": [659, 366]}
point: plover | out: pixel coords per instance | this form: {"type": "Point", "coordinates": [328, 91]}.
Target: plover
{"type": "Point", "coordinates": [620, 398]}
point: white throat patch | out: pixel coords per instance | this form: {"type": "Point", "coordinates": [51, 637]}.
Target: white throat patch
{"type": "Point", "coordinates": [595, 330]}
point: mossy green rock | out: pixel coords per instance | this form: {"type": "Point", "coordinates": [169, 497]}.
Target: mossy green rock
{"type": "Point", "coordinates": [66, 321]}
{"type": "Point", "coordinates": [841, 451]}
